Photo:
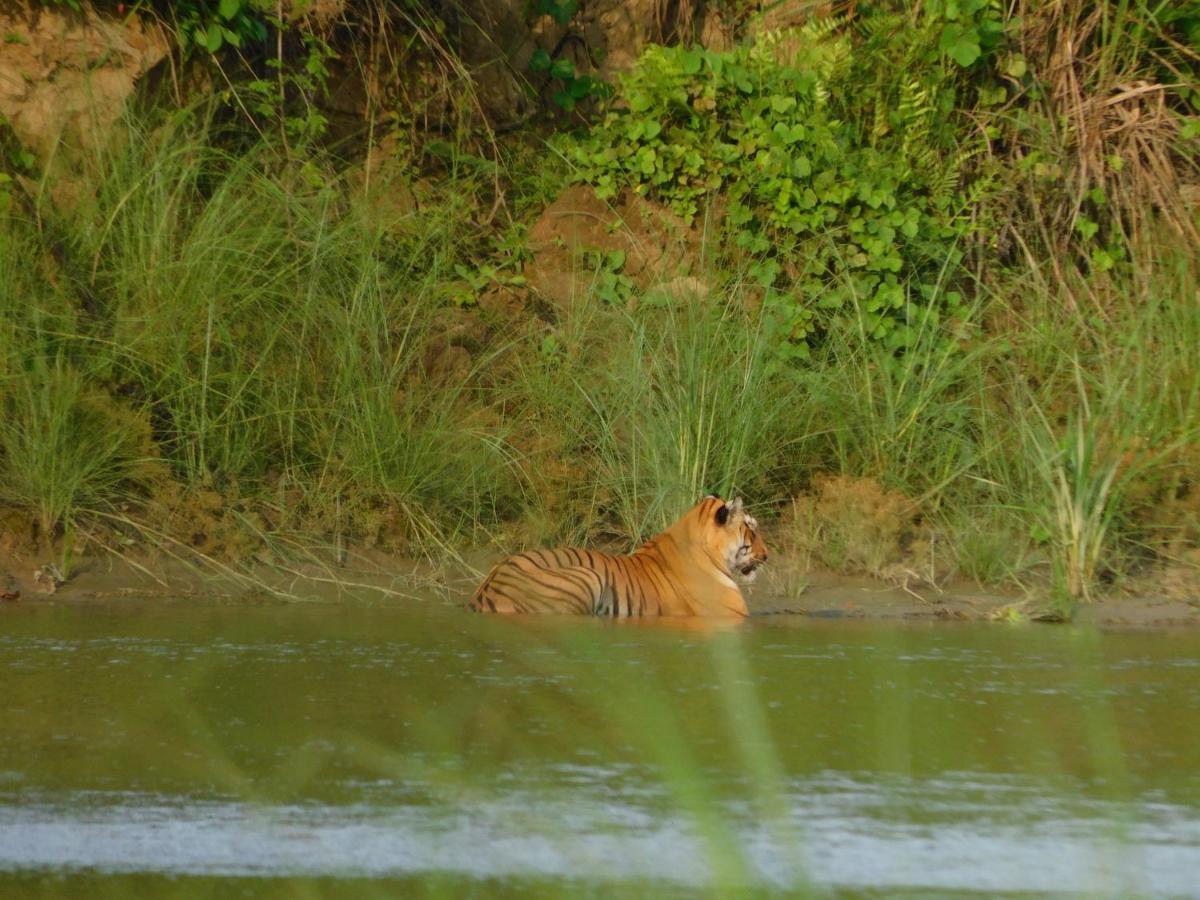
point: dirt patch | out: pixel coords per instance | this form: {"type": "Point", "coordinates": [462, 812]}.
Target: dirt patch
{"type": "Point", "coordinates": [1180, 580]}
{"type": "Point", "coordinates": [795, 591]}
{"type": "Point", "coordinates": [580, 239]}
{"type": "Point", "coordinates": [18, 532]}
{"type": "Point", "coordinates": [856, 526]}
{"type": "Point", "coordinates": [65, 77]}
{"type": "Point", "coordinates": [825, 595]}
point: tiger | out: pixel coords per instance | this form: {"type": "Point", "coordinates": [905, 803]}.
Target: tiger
{"type": "Point", "coordinates": [688, 570]}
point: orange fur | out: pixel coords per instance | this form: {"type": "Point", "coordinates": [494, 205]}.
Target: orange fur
{"type": "Point", "coordinates": [688, 570]}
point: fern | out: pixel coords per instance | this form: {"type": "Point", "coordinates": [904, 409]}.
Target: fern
{"type": "Point", "coordinates": [916, 111]}
{"type": "Point", "coordinates": [881, 24]}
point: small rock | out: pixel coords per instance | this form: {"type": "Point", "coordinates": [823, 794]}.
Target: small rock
{"type": "Point", "coordinates": [10, 591]}
{"type": "Point", "coordinates": [47, 579]}
{"type": "Point", "coordinates": [906, 578]}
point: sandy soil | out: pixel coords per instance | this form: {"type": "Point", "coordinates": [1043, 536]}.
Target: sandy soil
{"type": "Point", "coordinates": [383, 579]}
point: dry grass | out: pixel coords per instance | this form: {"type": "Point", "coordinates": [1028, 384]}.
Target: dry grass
{"type": "Point", "coordinates": [1105, 138]}
{"type": "Point", "coordinates": [855, 525]}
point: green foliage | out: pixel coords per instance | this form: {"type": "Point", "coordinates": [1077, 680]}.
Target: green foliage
{"type": "Point", "coordinates": [827, 216]}
{"type": "Point", "coordinates": [610, 284]}
{"type": "Point", "coordinates": [971, 29]}
{"type": "Point", "coordinates": [63, 446]}
{"type": "Point", "coordinates": [273, 332]}
{"type": "Point", "coordinates": [479, 278]}
{"type": "Point", "coordinates": [288, 98]}
{"type": "Point", "coordinates": [1167, 37]}
{"type": "Point", "coordinates": [211, 24]}
{"type": "Point", "coordinates": [573, 88]}
{"type": "Point", "coordinates": [562, 11]}
{"type": "Point", "coordinates": [205, 24]}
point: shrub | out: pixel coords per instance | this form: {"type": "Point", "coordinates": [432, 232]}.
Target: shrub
{"type": "Point", "coordinates": [824, 210]}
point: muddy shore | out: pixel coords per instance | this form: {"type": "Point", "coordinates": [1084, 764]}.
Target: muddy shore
{"type": "Point", "coordinates": [387, 579]}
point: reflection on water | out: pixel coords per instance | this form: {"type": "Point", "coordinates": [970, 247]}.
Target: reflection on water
{"type": "Point", "coordinates": [958, 832]}
{"type": "Point", "coordinates": [424, 743]}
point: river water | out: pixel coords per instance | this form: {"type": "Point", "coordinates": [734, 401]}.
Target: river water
{"type": "Point", "coordinates": [354, 750]}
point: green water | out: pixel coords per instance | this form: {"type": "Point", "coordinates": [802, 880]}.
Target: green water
{"type": "Point", "coordinates": [320, 750]}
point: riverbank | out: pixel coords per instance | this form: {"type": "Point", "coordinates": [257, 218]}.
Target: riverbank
{"type": "Point", "coordinates": [895, 290]}
{"type": "Point", "coordinates": [379, 579]}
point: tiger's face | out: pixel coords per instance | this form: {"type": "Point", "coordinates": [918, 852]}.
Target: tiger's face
{"type": "Point", "coordinates": [736, 533]}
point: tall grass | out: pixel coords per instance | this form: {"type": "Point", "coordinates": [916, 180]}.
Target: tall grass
{"type": "Point", "coordinates": [1101, 420]}
{"type": "Point", "coordinates": [663, 406]}
{"type": "Point", "coordinates": [64, 444]}
{"type": "Point", "coordinates": [272, 334]}
{"type": "Point", "coordinates": [254, 327]}
{"type": "Point", "coordinates": [691, 410]}
{"type": "Point", "coordinates": [907, 419]}
{"type": "Point", "coordinates": [1042, 441]}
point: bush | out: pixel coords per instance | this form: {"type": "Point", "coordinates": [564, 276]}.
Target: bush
{"type": "Point", "coordinates": [824, 211]}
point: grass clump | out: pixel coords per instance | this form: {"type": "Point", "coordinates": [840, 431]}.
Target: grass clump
{"type": "Point", "coordinates": [690, 409]}
{"type": "Point", "coordinates": [850, 524]}
{"type": "Point", "coordinates": [66, 447]}
{"type": "Point", "coordinates": [656, 407]}
{"type": "Point", "coordinates": [273, 336]}
{"type": "Point", "coordinates": [65, 444]}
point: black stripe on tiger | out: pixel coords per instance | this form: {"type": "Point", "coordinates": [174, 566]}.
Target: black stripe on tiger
{"type": "Point", "coordinates": [687, 570]}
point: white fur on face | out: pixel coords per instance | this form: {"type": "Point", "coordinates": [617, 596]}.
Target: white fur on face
{"type": "Point", "coordinates": [740, 558]}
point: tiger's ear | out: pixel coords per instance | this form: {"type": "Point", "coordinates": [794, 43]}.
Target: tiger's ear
{"type": "Point", "coordinates": [722, 514]}
{"type": "Point", "coordinates": [736, 506]}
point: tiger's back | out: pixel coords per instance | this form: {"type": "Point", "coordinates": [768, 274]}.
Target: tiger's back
{"type": "Point", "coordinates": [685, 571]}
{"type": "Point", "coordinates": [573, 581]}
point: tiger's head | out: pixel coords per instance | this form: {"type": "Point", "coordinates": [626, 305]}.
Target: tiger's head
{"type": "Point", "coordinates": [731, 534]}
